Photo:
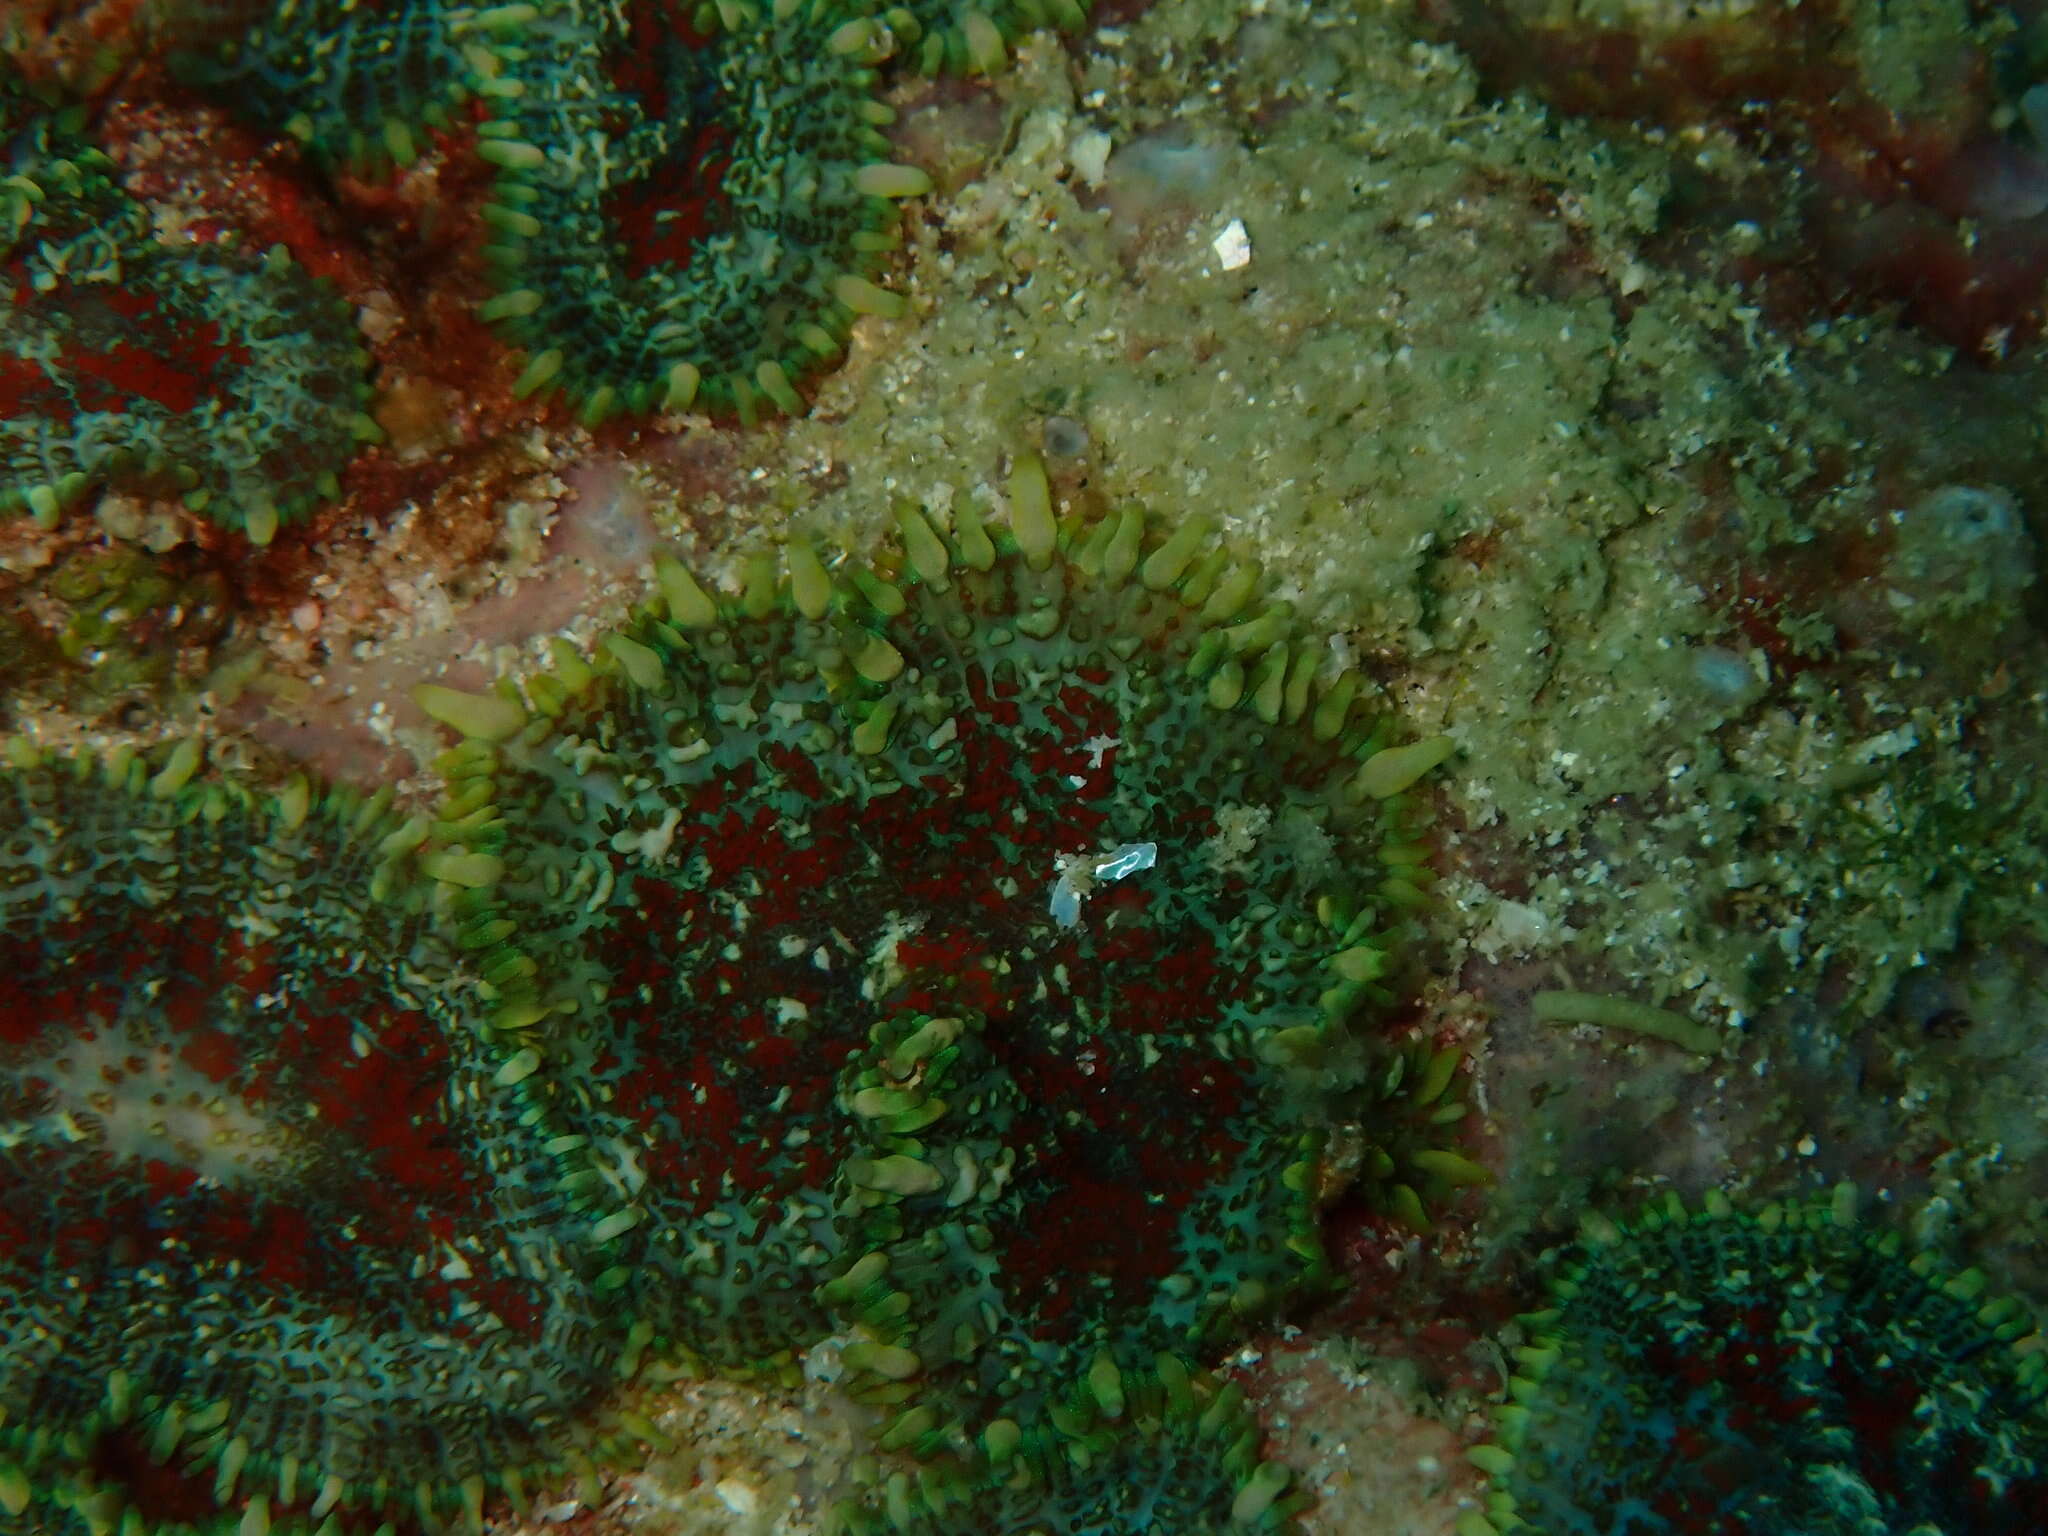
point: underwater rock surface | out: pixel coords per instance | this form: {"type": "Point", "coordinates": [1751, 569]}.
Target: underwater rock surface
{"type": "Point", "coordinates": [1574, 432]}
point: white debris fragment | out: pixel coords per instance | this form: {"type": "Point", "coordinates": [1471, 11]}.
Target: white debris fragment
{"type": "Point", "coordinates": [1089, 156]}
{"type": "Point", "coordinates": [1233, 247]}
{"type": "Point", "coordinates": [1079, 874]}
{"type": "Point", "coordinates": [1238, 830]}
{"type": "Point", "coordinates": [741, 1498]}
{"type": "Point", "coordinates": [1889, 744]}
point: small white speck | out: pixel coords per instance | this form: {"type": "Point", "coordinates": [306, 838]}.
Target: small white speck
{"type": "Point", "coordinates": [737, 1496]}
{"type": "Point", "coordinates": [1089, 155]}
{"type": "Point", "coordinates": [1233, 247]}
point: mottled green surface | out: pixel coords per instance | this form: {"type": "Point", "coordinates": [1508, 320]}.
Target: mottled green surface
{"type": "Point", "coordinates": [1125, 1452]}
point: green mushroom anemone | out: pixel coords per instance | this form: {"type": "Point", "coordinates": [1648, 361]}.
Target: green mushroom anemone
{"type": "Point", "coordinates": [971, 951]}
{"type": "Point", "coordinates": [1710, 1369]}
{"type": "Point", "coordinates": [282, 1238]}
{"type": "Point", "coordinates": [689, 211]}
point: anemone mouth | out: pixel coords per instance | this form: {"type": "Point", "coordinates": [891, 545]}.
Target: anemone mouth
{"type": "Point", "coordinates": [269, 1205]}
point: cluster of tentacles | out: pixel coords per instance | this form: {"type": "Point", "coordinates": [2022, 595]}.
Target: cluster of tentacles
{"type": "Point", "coordinates": [692, 206]}
{"type": "Point", "coordinates": [688, 209]}
{"type": "Point", "coordinates": [963, 956]}
{"type": "Point", "coordinates": [229, 378]}
{"type": "Point", "coordinates": [692, 199]}
{"type": "Point", "coordinates": [1790, 1370]}
{"type": "Point", "coordinates": [274, 1222]}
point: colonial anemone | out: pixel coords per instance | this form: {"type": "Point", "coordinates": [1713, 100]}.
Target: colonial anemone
{"type": "Point", "coordinates": [693, 199]}
{"type": "Point", "coordinates": [969, 950]}
{"type": "Point", "coordinates": [277, 1235]}
{"type": "Point", "coordinates": [231, 379]}
{"type": "Point", "coordinates": [357, 85]}
{"type": "Point", "coordinates": [1123, 1451]}
{"type": "Point", "coordinates": [1787, 1370]}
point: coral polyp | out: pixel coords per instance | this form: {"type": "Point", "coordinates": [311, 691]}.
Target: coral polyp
{"type": "Point", "coordinates": [355, 84]}
{"type": "Point", "coordinates": [269, 1204]}
{"type": "Point", "coordinates": [969, 37]}
{"type": "Point", "coordinates": [230, 379]}
{"type": "Point", "coordinates": [1162, 1448]}
{"type": "Point", "coordinates": [970, 951]}
{"type": "Point", "coordinates": [1714, 1370]}
{"type": "Point", "coordinates": [693, 202]}
{"type": "Point", "coordinates": [59, 205]}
